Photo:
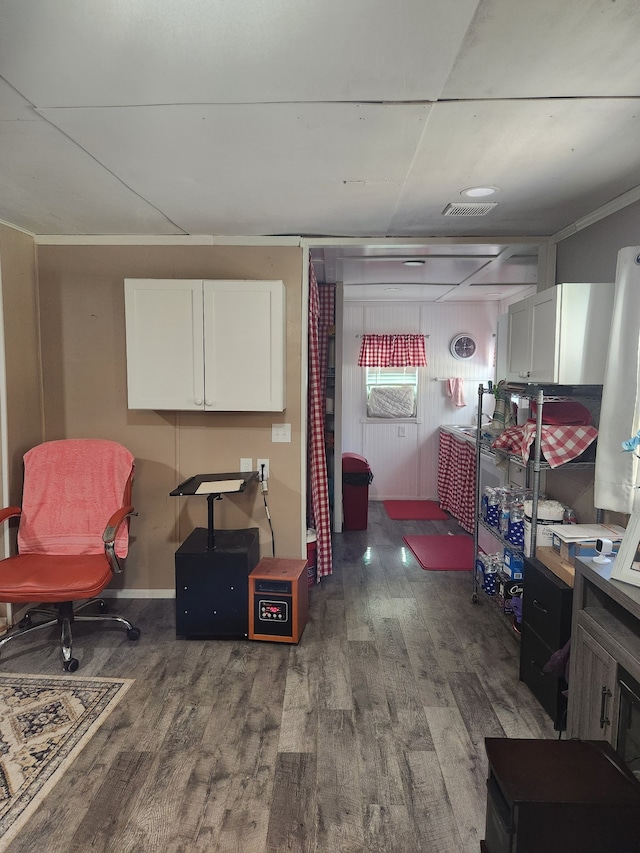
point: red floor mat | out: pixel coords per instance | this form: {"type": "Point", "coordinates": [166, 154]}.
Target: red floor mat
{"type": "Point", "coordinates": [442, 553]}
{"type": "Point", "coordinates": [414, 511]}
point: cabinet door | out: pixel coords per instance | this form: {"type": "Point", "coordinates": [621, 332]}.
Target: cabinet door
{"type": "Point", "coordinates": [545, 333]}
{"type": "Point", "coordinates": [165, 368]}
{"type": "Point", "coordinates": [518, 349]}
{"type": "Point", "coordinates": [592, 689]}
{"type": "Point", "coordinates": [244, 333]}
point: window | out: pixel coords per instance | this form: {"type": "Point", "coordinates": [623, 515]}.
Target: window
{"type": "Point", "coordinates": [391, 392]}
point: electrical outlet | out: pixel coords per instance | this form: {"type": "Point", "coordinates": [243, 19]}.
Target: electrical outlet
{"type": "Point", "coordinates": [246, 464]}
{"type": "Point", "coordinates": [259, 464]}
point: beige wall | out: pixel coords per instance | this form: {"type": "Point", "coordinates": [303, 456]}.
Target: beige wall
{"type": "Point", "coordinates": [84, 374]}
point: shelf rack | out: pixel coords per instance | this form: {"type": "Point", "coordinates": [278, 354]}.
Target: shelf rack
{"type": "Point", "coordinates": [535, 463]}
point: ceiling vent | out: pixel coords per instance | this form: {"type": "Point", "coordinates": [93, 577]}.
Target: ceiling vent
{"type": "Point", "coordinates": [469, 208]}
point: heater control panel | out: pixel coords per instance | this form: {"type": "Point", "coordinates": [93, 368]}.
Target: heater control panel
{"type": "Point", "coordinates": [272, 610]}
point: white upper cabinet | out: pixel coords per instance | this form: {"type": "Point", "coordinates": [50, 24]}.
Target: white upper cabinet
{"type": "Point", "coordinates": [561, 335]}
{"type": "Point", "coordinates": [518, 343]}
{"type": "Point", "coordinates": [205, 345]}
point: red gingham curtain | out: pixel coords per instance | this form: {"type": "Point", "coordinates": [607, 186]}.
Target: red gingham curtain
{"type": "Point", "coordinates": [392, 351]}
{"type": "Point", "coordinates": [319, 512]}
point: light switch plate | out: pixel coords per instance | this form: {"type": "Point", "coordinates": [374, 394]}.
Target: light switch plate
{"type": "Point", "coordinates": [280, 432]}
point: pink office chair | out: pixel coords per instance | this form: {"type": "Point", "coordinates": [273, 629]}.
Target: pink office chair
{"type": "Point", "coordinates": [74, 528]}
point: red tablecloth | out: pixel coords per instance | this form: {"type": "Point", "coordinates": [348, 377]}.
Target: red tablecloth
{"type": "Point", "coordinates": [559, 444]}
{"type": "Point", "coordinates": [457, 479]}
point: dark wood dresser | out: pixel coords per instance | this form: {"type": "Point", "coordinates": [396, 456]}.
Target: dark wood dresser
{"type": "Point", "coordinates": [546, 627]}
{"type": "Point", "coordinates": [559, 796]}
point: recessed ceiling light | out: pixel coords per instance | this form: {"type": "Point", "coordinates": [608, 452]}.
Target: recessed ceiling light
{"type": "Point", "coordinates": [393, 288]}
{"type": "Point", "coordinates": [479, 192]}
{"type": "Point", "coordinates": [413, 263]}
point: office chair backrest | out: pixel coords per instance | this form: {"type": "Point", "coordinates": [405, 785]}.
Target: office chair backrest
{"type": "Point", "coordinates": [71, 489]}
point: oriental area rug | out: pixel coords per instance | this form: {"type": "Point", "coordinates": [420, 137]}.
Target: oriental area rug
{"type": "Point", "coordinates": [45, 721]}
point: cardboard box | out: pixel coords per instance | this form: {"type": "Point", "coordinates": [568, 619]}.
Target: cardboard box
{"type": "Point", "coordinates": [579, 540]}
{"type": "Point", "coordinates": [554, 562]}
{"type": "Point", "coordinates": [513, 564]}
{"type": "Point", "coordinates": [570, 550]}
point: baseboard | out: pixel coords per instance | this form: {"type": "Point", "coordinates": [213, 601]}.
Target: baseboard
{"type": "Point", "coordinates": [138, 593]}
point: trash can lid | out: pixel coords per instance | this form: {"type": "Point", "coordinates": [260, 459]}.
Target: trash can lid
{"type": "Point", "coordinates": [352, 462]}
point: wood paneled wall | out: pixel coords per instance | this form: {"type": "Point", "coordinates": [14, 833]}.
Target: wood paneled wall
{"type": "Point", "coordinates": [405, 465]}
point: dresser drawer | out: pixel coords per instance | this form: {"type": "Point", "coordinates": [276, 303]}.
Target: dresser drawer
{"type": "Point", "coordinates": [546, 604]}
{"type": "Point", "coordinates": [547, 689]}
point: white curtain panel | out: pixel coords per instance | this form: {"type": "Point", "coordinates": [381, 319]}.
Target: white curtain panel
{"type": "Point", "coordinates": [616, 475]}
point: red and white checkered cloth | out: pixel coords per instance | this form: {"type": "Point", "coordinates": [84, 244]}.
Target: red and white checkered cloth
{"type": "Point", "coordinates": [320, 313]}
{"type": "Point", "coordinates": [559, 444]}
{"type": "Point", "coordinates": [457, 479]}
{"type": "Point", "coordinates": [392, 351]}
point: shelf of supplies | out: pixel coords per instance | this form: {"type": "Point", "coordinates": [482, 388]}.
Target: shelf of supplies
{"type": "Point", "coordinates": [497, 605]}
{"type": "Point", "coordinates": [544, 466]}
{"type": "Point", "coordinates": [556, 393]}
{"type": "Point", "coordinates": [496, 533]}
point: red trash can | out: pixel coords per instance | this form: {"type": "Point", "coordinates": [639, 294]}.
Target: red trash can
{"type": "Point", "coordinates": [356, 477]}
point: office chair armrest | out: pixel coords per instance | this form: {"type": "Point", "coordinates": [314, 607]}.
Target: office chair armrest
{"type": "Point", "coordinates": [9, 512]}
{"type": "Point", "coordinates": [109, 535]}
{"type": "Point", "coordinates": [114, 523]}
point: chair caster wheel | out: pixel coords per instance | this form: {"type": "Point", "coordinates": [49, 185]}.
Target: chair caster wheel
{"type": "Point", "coordinates": [133, 633]}
{"type": "Point", "coordinates": [70, 665]}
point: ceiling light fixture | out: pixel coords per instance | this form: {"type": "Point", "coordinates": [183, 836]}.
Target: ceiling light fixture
{"type": "Point", "coordinates": [393, 288]}
{"type": "Point", "coordinates": [413, 263]}
{"type": "Point", "coordinates": [479, 192]}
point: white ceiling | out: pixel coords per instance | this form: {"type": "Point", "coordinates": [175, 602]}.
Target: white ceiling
{"type": "Point", "coordinates": [342, 118]}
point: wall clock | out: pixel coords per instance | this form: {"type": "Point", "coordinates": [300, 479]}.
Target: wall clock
{"type": "Point", "coordinates": [462, 346]}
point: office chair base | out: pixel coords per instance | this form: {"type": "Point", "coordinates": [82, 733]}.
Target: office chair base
{"type": "Point", "coordinates": [64, 615]}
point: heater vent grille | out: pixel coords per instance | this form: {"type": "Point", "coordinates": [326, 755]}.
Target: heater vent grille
{"type": "Point", "coordinates": [469, 208]}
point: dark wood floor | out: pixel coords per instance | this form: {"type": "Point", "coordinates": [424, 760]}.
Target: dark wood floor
{"type": "Point", "coordinates": [367, 736]}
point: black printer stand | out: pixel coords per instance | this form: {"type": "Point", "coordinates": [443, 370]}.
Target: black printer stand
{"type": "Point", "coordinates": [212, 585]}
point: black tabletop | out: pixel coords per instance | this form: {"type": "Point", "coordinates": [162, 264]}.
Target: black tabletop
{"type": "Point", "coordinates": [212, 484]}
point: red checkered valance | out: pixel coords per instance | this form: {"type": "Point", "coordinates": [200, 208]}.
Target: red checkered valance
{"type": "Point", "coordinates": [392, 351]}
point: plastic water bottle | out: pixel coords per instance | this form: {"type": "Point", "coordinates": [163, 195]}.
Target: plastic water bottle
{"type": "Point", "coordinates": [516, 525]}
{"type": "Point", "coordinates": [504, 515]}
{"type": "Point", "coordinates": [569, 516]}
{"type": "Point", "coordinates": [493, 508]}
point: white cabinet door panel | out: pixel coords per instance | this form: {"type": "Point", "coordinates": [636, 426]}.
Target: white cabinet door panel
{"type": "Point", "coordinates": [165, 368]}
{"type": "Point", "coordinates": [545, 335]}
{"type": "Point", "coordinates": [244, 345]}
{"type": "Point", "coordinates": [518, 343]}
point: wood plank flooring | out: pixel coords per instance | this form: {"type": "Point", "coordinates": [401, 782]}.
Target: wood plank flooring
{"type": "Point", "coordinates": [367, 737]}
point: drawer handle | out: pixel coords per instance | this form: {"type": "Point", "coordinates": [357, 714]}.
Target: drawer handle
{"type": "Point", "coordinates": [537, 605]}
{"type": "Point", "coordinates": [604, 720]}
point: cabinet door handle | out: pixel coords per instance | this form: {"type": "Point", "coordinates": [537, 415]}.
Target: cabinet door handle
{"type": "Point", "coordinates": [539, 606]}
{"type": "Point", "coordinates": [604, 720]}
